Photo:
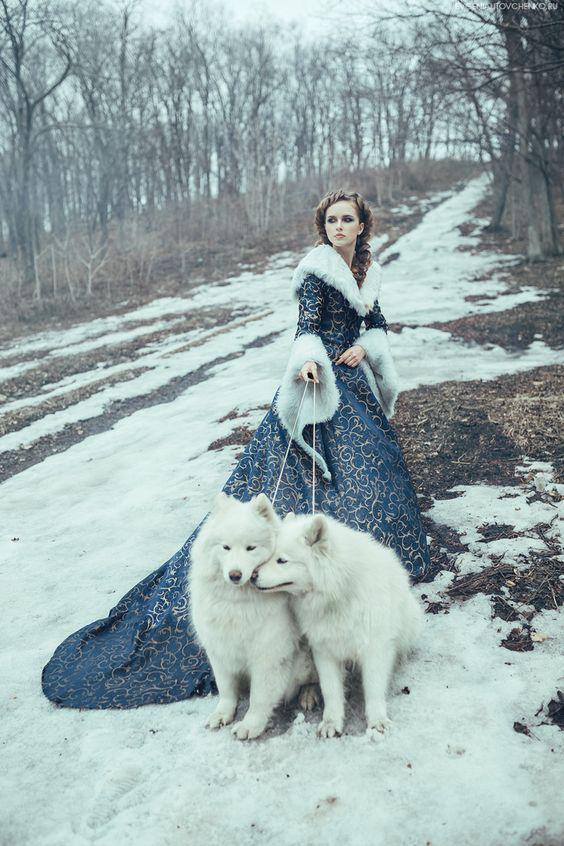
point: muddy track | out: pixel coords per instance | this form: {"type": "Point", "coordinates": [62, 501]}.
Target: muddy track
{"type": "Point", "coordinates": [94, 362]}
{"type": "Point", "coordinates": [52, 368]}
{"type": "Point", "coordinates": [514, 329]}
{"type": "Point", "coordinates": [15, 461]}
{"type": "Point", "coordinates": [462, 433]}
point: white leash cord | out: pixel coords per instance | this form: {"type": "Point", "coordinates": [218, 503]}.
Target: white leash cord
{"type": "Point", "coordinates": [313, 486]}
{"type": "Point", "coordinates": [290, 444]}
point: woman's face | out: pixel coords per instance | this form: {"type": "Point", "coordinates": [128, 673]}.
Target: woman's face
{"type": "Point", "coordinates": [342, 224]}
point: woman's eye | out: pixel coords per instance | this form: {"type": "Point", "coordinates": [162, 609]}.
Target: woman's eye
{"type": "Point", "coordinates": [281, 560]}
{"type": "Point", "coordinates": [225, 546]}
{"type": "Point", "coordinates": [249, 548]}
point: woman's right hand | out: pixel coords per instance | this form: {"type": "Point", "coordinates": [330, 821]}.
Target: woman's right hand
{"type": "Point", "coordinates": [309, 367]}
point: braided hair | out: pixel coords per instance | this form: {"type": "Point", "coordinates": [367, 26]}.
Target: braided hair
{"type": "Point", "coordinates": [362, 258]}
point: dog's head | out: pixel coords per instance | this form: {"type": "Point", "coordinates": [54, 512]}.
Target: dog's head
{"type": "Point", "coordinates": [293, 567]}
{"type": "Point", "coordinates": [242, 535]}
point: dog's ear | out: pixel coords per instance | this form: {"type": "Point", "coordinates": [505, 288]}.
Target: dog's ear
{"type": "Point", "coordinates": [263, 507]}
{"type": "Point", "coordinates": [220, 501]}
{"type": "Point", "coordinates": [290, 516]}
{"type": "Point", "coordinates": [316, 532]}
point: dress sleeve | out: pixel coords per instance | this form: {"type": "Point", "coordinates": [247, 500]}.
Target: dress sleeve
{"type": "Point", "coordinates": [308, 346]}
{"type": "Point", "coordinates": [375, 319]}
{"type": "Point", "coordinates": [380, 364]}
{"type": "Point", "coordinates": [310, 306]}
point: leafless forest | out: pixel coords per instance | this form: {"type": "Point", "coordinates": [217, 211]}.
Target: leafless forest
{"type": "Point", "coordinates": [131, 154]}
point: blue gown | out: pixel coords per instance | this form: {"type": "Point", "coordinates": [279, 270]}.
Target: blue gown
{"type": "Point", "coordinates": [145, 650]}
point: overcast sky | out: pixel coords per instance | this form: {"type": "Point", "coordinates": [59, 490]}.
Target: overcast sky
{"type": "Point", "coordinates": [312, 16]}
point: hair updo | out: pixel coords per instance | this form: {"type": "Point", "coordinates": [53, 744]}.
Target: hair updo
{"type": "Point", "coordinates": [362, 255]}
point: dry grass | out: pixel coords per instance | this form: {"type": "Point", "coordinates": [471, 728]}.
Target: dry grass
{"type": "Point", "coordinates": [461, 433]}
{"type": "Point", "coordinates": [535, 583]}
{"type": "Point", "coordinates": [174, 251]}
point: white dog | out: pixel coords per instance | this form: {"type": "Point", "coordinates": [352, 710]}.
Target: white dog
{"type": "Point", "coordinates": [245, 634]}
{"type": "Point", "coordinates": [352, 599]}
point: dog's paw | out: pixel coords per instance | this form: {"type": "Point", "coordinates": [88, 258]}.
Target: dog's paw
{"type": "Point", "coordinates": [219, 719]}
{"type": "Point", "coordinates": [309, 697]}
{"type": "Point", "coordinates": [248, 729]}
{"type": "Point", "coordinates": [330, 728]}
{"type": "Point", "coordinates": [376, 728]}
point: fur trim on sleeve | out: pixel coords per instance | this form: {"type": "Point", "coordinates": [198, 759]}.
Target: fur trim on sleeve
{"type": "Point", "coordinates": [379, 368]}
{"type": "Point", "coordinates": [307, 347]}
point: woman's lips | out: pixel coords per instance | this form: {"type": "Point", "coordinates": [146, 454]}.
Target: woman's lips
{"type": "Point", "coordinates": [339, 236]}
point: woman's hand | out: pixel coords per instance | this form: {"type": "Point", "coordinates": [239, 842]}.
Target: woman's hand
{"type": "Point", "coordinates": [309, 367]}
{"type": "Point", "coordinates": [353, 356]}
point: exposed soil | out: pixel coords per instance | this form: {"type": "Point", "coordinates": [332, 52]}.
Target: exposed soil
{"type": "Point", "coordinates": [497, 531]}
{"type": "Point", "coordinates": [240, 436]}
{"type": "Point", "coordinates": [15, 461]}
{"type": "Point", "coordinates": [461, 433]}
{"type": "Point", "coordinates": [173, 274]}
{"type": "Point", "coordinates": [519, 591]}
{"type": "Point", "coordinates": [518, 640]}
{"type": "Point", "coordinates": [57, 368]}
{"type": "Point", "coordinates": [514, 329]}
{"type": "Point", "coordinates": [176, 273]}
{"type": "Point", "coordinates": [53, 368]}
{"type": "Point", "coordinates": [454, 433]}
{"type": "Point", "coordinates": [555, 710]}
{"type": "Point", "coordinates": [14, 420]}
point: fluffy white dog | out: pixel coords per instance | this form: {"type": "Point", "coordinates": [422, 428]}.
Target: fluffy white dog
{"type": "Point", "coordinates": [246, 635]}
{"type": "Point", "coordinates": [352, 600]}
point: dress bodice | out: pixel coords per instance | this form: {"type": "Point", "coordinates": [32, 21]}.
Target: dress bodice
{"type": "Point", "coordinates": [324, 311]}
{"type": "Point", "coordinates": [145, 651]}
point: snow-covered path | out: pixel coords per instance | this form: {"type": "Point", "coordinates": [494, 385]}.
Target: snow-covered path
{"type": "Point", "coordinates": [427, 283]}
{"type": "Point", "coordinates": [79, 528]}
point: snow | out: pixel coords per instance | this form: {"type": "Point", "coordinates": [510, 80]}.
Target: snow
{"type": "Point", "coordinates": [436, 268]}
{"type": "Point", "coordinates": [423, 355]}
{"type": "Point", "coordinates": [164, 366]}
{"type": "Point", "coordinates": [426, 356]}
{"type": "Point", "coordinates": [504, 504]}
{"type": "Point", "coordinates": [480, 504]}
{"type": "Point", "coordinates": [81, 527]}
{"type": "Point", "coordinates": [75, 348]}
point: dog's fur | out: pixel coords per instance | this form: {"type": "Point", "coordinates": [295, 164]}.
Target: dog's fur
{"type": "Point", "coordinates": [352, 600]}
{"type": "Point", "coordinates": [245, 634]}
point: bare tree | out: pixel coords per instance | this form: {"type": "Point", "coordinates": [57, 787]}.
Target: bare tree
{"type": "Point", "coordinates": [24, 30]}
{"type": "Point", "coordinates": [120, 136]}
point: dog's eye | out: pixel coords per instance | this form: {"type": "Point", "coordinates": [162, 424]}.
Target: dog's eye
{"type": "Point", "coordinates": [249, 548]}
{"type": "Point", "coordinates": [281, 560]}
{"type": "Point", "coordinates": [225, 546]}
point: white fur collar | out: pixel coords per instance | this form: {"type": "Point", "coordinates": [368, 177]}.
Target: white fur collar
{"type": "Point", "coordinates": [329, 265]}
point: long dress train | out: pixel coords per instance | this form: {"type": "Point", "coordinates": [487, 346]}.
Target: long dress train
{"type": "Point", "coordinates": [144, 651]}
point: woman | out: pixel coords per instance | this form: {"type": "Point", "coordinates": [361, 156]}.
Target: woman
{"type": "Point", "coordinates": [144, 651]}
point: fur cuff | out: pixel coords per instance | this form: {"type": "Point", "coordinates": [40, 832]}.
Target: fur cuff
{"type": "Point", "coordinates": [379, 367]}
{"type": "Point", "coordinates": [307, 347]}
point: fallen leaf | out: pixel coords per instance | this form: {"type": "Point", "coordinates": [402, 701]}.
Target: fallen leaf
{"type": "Point", "coordinates": [521, 728]}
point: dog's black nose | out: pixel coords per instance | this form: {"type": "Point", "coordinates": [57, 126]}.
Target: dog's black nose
{"type": "Point", "coordinates": [254, 577]}
{"type": "Point", "coordinates": [235, 576]}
